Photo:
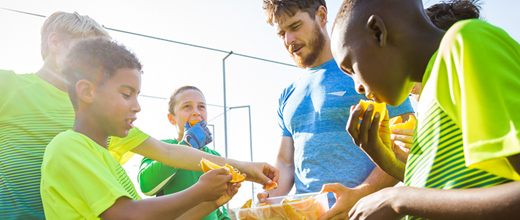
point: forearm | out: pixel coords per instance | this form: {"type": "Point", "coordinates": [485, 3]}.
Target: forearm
{"type": "Point", "coordinates": [286, 180]}
{"type": "Point", "coordinates": [497, 202]}
{"type": "Point", "coordinates": [200, 211]}
{"type": "Point", "coordinates": [171, 206]}
{"type": "Point", "coordinates": [377, 180]}
{"type": "Point", "coordinates": [173, 155]}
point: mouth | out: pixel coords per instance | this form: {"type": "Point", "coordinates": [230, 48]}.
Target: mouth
{"type": "Point", "coordinates": [130, 121]}
{"type": "Point", "coordinates": [295, 49]}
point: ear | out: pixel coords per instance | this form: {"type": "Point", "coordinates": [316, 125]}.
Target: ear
{"type": "Point", "coordinates": [53, 40]}
{"type": "Point", "coordinates": [85, 91]}
{"type": "Point", "coordinates": [377, 29]}
{"type": "Point", "coordinates": [321, 15]}
{"type": "Point", "coordinates": [171, 119]}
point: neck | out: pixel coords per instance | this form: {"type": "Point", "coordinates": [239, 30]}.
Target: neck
{"type": "Point", "coordinates": [50, 74]}
{"type": "Point", "coordinates": [325, 54]}
{"type": "Point", "coordinates": [87, 127]}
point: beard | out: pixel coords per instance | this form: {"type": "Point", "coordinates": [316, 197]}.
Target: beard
{"type": "Point", "coordinates": [315, 46]}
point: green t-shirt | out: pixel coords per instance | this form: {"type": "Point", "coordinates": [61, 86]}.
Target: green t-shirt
{"type": "Point", "coordinates": [469, 119]}
{"type": "Point", "coordinates": [156, 178]}
{"type": "Point", "coordinates": [32, 112]}
{"type": "Point", "coordinates": [81, 179]}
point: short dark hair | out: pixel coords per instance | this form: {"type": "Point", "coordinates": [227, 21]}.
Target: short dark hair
{"type": "Point", "coordinates": [276, 9]}
{"type": "Point", "coordinates": [445, 14]}
{"type": "Point", "coordinates": [96, 60]}
{"type": "Point", "coordinates": [173, 97]}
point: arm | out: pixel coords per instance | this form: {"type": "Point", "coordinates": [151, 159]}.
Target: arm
{"type": "Point", "coordinates": [496, 202]}
{"type": "Point", "coordinates": [189, 159]}
{"type": "Point", "coordinates": [202, 210]}
{"type": "Point", "coordinates": [153, 174]}
{"type": "Point", "coordinates": [285, 164]}
{"type": "Point", "coordinates": [211, 186]}
{"type": "Point", "coordinates": [346, 198]}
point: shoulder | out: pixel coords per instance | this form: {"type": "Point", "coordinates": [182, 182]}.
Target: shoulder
{"type": "Point", "coordinates": [474, 31]}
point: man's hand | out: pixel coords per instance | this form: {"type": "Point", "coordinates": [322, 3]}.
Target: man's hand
{"type": "Point", "coordinates": [197, 136]}
{"type": "Point", "coordinates": [257, 172]}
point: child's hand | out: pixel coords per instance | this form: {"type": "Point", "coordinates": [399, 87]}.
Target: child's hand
{"type": "Point", "coordinates": [377, 205]}
{"type": "Point", "coordinates": [346, 198]}
{"type": "Point", "coordinates": [374, 139]}
{"type": "Point", "coordinates": [198, 135]}
{"type": "Point", "coordinates": [230, 192]}
{"type": "Point", "coordinates": [402, 142]}
{"type": "Point", "coordinates": [262, 173]}
{"type": "Point", "coordinates": [214, 183]}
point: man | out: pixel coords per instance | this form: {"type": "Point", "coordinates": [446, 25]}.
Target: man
{"type": "Point", "coordinates": [313, 111]}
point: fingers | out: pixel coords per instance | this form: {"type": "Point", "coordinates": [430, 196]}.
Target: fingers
{"type": "Point", "coordinates": [272, 174]}
{"type": "Point", "coordinates": [262, 196]}
{"type": "Point", "coordinates": [353, 123]}
{"type": "Point", "coordinates": [331, 187]}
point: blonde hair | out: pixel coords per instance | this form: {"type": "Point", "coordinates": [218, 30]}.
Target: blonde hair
{"type": "Point", "coordinates": [68, 26]}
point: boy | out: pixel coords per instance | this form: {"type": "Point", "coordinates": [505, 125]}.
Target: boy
{"type": "Point", "coordinates": [387, 47]}
{"type": "Point", "coordinates": [35, 107]}
{"type": "Point", "coordinates": [80, 179]}
{"type": "Point", "coordinates": [186, 104]}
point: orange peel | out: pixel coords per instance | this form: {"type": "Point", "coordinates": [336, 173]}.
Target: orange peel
{"type": "Point", "coordinates": [208, 165]}
{"type": "Point", "coordinates": [378, 107]}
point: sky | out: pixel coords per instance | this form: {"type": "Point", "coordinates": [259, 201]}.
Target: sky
{"type": "Point", "coordinates": [225, 25]}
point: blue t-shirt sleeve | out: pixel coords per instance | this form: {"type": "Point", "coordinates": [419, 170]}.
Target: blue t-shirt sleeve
{"type": "Point", "coordinates": [281, 104]}
{"type": "Point", "coordinates": [403, 108]}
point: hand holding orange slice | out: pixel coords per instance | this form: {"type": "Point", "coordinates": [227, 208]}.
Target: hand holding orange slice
{"type": "Point", "coordinates": [398, 124]}
{"type": "Point", "coordinates": [378, 107]}
{"type": "Point", "coordinates": [208, 165]}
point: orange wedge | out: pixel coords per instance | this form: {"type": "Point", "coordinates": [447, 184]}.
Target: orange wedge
{"type": "Point", "coordinates": [194, 122]}
{"type": "Point", "coordinates": [272, 185]}
{"type": "Point", "coordinates": [247, 204]}
{"type": "Point", "coordinates": [378, 107]}
{"type": "Point", "coordinates": [208, 165]}
{"type": "Point", "coordinates": [410, 124]}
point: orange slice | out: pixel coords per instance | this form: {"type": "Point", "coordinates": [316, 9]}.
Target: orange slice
{"type": "Point", "coordinates": [272, 185]}
{"type": "Point", "coordinates": [194, 122]}
{"type": "Point", "coordinates": [378, 107]}
{"type": "Point", "coordinates": [410, 124]}
{"type": "Point", "coordinates": [208, 165]}
{"type": "Point", "coordinates": [247, 204]}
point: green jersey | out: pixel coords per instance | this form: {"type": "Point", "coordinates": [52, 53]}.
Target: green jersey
{"type": "Point", "coordinates": [468, 114]}
{"type": "Point", "coordinates": [156, 178]}
{"type": "Point", "coordinates": [81, 179]}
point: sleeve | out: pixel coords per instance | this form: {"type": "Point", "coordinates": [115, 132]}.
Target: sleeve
{"type": "Point", "coordinates": [154, 175]}
{"type": "Point", "coordinates": [281, 105]}
{"type": "Point", "coordinates": [120, 148]}
{"type": "Point", "coordinates": [487, 60]}
{"type": "Point", "coordinates": [222, 213]}
{"type": "Point", "coordinates": [77, 175]}
{"type": "Point", "coordinates": [8, 83]}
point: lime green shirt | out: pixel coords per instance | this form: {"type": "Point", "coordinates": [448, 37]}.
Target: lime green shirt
{"type": "Point", "coordinates": [80, 178]}
{"type": "Point", "coordinates": [156, 178]}
{"type": "Point", "coordinates": [32, 112]}
{"type": "Point", "coordinates": [469, 119]}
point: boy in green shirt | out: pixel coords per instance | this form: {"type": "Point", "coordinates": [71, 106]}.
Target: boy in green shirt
{"type": "Point", "coordinates": [80, 179]}
{"type": "Point", "coordinates": [186, 105]}
{"type": "Point", "coordinates": [465, 158]}
{"type": "Point", "coordinates": [36, 107]}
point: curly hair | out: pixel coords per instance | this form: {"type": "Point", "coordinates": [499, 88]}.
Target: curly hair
{"type": "Point", "coordinates": [96, 60]}
{"type": "Point", "coordinates": [445, 14]}
{"type": "Point", "coordinates": [277, 9]}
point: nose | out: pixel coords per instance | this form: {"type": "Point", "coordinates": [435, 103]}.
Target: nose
{"type": "Point", "coordinates": [289, 38]}
{"type": "Point", "coordinates": [359, 87]}
{"type": "Point", "coordinates": [136, 107]}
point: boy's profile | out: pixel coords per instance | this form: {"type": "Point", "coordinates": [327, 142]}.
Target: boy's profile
{"type": "Point", "coordinates": [186, 106]}
{"type": "Point", "coordinates": [80, 178]}
{"type": "Point", "coordinates": [465, 158]}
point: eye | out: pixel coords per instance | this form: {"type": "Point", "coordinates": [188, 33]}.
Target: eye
{"type": "Point", "coordinates": [296, 27]}
{"type": "Point", "coordinates": [125, 95]}
{"type": "Point", "coordinates": [281, 34]}
{"type": "Point", "coordinates": [202, 106]}
{"type": "Point", "coordinates": [186, 106]}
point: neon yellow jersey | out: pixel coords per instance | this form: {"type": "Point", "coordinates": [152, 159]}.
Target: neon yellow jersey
{"type": "Point", "coordinates": [469, 119]}
{"type": "Point", "coordinates": [32, 112]}
{"type": "Point", "coordinates": [81, 179]}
